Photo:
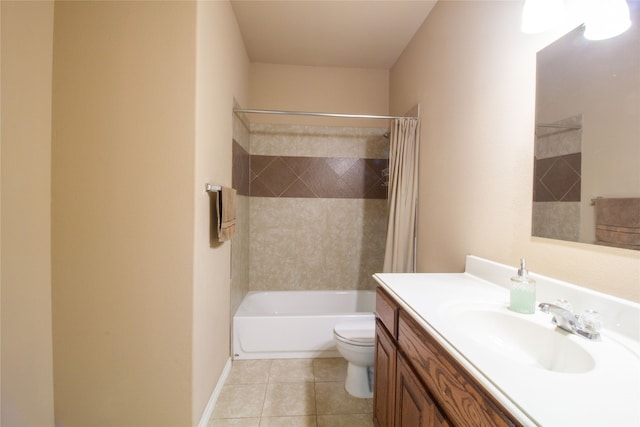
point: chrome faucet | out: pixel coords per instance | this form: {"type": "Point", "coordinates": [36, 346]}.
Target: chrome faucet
{"type": "Point", "coordinates": [586, 324]}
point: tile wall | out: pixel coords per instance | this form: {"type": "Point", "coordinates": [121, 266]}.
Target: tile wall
{"type": "Point", "coordinates": [240, 241]}
{"type": "Point", "coordinates": [303, 244]}
{"type": "Point", "coordinates": [317, 211]}
{"type": "Point", "coordinates": [557, 181]}
{"type": "Point", "coordinates": [318, 177]}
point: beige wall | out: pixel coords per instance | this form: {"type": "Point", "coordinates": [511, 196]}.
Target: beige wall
{"type": "Point", "coordinates": [221, 75]}
{"type": "Point", "coordinates": [123, 212]}
{"type": "Point", "coordinates": [140, 300]}
{"type": "Point", "coordinates": [476, 88]}
{"type": "Point", "coordinates": [318, 89]}
{"type": "Point", "coordinates": [0, 216]}
{"type": "Point", "coordinates": [26, 371]}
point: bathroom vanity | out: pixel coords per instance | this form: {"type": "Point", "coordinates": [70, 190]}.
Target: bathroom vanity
{"type": "Point", "coordinates": [449, 352]}
{"type": "Point", "coordinates": [407, 357]}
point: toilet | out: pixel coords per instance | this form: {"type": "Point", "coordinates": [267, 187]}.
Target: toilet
{"type": "Point", "coordinates": [355, 342]}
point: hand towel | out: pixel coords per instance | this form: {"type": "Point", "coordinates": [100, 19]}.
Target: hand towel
{"type": "Point", "coordinates": [618, 222]}
{"type": "Point", "coordinates": [226, 211]}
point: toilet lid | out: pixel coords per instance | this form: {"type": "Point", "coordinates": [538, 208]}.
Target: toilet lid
{"type": "Point", "coordinates": [358, 332]}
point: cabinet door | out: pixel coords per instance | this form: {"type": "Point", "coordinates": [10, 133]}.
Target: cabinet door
{"type": "Point", "coordinates": [385, 374]}
{"type": "Point", "coordinates": [414, 406]}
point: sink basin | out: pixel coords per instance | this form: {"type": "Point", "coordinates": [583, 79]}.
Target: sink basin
{"type": "Point", "coordinates": [524, 341]}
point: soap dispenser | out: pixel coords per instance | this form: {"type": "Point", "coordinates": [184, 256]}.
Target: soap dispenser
{"type": "Point", "coordinates": [523, 291]}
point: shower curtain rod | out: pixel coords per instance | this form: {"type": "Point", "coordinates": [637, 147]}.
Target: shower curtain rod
{"type": "Point", "coordinates": [555, 126]}
{"type": "Point", "coordinates": [305, 113]}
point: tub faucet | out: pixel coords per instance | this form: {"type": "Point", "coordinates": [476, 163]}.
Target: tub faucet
{"type": "Point", "coordinates": [586, 324]}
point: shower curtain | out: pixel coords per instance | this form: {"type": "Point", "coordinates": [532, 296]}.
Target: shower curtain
{"type": "Point", "coordinates": [400, 254]}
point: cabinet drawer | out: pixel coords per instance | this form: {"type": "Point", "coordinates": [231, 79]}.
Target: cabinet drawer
{"type": "Point", "coordinates": [461, 397]}
{"type": "Point", "coordinates": [387, 311]}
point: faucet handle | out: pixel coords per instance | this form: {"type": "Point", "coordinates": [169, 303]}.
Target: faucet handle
{"type": "Point", "coordinates": [589, 321]}
{"type": "Point", "coordinates": [587, 324]}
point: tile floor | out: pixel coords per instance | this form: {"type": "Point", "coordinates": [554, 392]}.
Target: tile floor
{"type": "Point", "coordinates": [289, 393]}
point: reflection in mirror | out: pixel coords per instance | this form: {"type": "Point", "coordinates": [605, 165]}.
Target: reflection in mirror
{"type": "Point", "coordinates": [587, 141]}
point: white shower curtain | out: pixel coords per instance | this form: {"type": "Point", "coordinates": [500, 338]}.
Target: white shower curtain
{"type": "Point", "coordinates": [400, 254]}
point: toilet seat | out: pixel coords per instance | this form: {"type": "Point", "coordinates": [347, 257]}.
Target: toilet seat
{"type": "Point", "coordinates": [360, 333]}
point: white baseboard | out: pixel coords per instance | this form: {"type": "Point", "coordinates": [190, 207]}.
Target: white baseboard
{"type": "Point", "coordinates": [208, 410]}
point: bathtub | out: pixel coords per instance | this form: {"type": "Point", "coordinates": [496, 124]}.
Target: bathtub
{"type": "Point", "coordinates": [295, 324]}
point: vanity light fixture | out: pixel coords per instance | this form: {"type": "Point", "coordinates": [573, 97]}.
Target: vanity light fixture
{"type": "Point", "coordinates": [603, 19]}
{"type": "Point", "coordinates": [541, 15]}
{"type": "Point", "coordinates": [606, 19]}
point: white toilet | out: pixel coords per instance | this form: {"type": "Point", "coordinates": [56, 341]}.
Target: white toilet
{"type": "Point", "coordinates": [355, 341]}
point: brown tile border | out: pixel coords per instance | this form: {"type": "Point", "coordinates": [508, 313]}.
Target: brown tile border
{"type": "Point", "coordinates": [558, 179]}
{"type": "Point", "coordinates": [317, 177]}
{"type": "Point", "coordinates": [240, 173]}
{"type": "Point", "coordinates": [307, 177]}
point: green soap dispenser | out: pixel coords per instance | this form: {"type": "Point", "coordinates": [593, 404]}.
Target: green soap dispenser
{"type": "Point", "coordinates": [523, 291]}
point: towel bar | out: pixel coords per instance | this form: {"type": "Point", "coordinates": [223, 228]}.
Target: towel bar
{"type": "Point", "coordinates": [211, 187]}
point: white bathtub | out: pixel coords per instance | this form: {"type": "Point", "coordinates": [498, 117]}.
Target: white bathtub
{"type": "Point", "coordinates": [295, 324]}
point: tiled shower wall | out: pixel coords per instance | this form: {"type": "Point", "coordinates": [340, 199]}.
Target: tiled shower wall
{"type": "Point", "coordinates": [317, 211]}
{"type": "Point", "coordinates": [302, 244]}
{"type": "Point", "coordinates": [240, 241]}
{"type": "Point", "coordinates": [557, 181]}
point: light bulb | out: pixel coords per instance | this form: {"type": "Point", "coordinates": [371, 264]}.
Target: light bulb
{"type": "Point", "coordinates": [541, 15]}
{"type": "Point", "coordinates": [606, 19]}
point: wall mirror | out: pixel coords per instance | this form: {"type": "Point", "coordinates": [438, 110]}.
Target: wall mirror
{"type": "Point", "coordinates": [587, 139]}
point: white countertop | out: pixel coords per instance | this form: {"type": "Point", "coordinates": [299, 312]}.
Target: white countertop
{"type": "Point", "coordinates": [605, 390]}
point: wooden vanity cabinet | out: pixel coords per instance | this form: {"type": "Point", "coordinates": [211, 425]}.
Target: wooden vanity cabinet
{"type": "Point", "coordinates": [418, 383]}
{"type": "Point", "coordinates": [385, 360]}
{"type": "Point", "coordinates": [414, 405]}
{"type": "Point", "coordinates": [385, 377]}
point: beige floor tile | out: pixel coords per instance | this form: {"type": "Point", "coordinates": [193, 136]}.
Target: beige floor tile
{"type": "Point", "coordinates": [302, 421]}
{"type": "Point", "coordinates": [332, 398]}
{"type": "Point", "coordinates": [240, 401]}
{"type": "Point", "coordinates": [235, 422]}
{"type": "Point", "coordinates": [249, 372]}
{"type": "Point", "coordinates": [348, 420]}
{"type": "Point", "coordinates": [370, 403]}
{"type": "Point", "coordinates": [291, 371]}
{"type": "Point", "coordinates": [330, 369]}
{"type": "Point", "coordinates": [289, 399]}
{"type": "Point", "coordinates": [284, 394]}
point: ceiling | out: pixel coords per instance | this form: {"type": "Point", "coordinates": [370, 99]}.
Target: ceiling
{"type": "Point", "coordinates": [329, 33]}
